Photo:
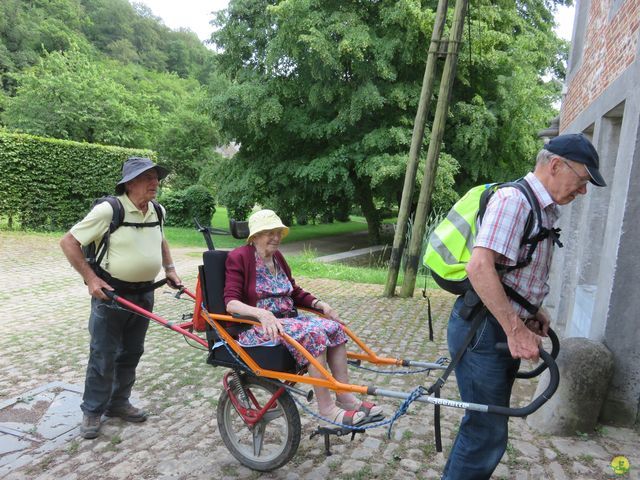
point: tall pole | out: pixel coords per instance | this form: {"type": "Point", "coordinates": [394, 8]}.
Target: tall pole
{"type": "Point", "coordinates": [437, 132]}
{"type": "Point", "coordinates": [414, 152]}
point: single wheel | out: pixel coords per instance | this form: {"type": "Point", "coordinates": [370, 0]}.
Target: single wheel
{"type": "Point", "coordinates": [271, 442]}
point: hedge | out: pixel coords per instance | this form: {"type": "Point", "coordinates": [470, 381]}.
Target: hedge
{"type": "Point", "coordinates": [183, 206]}
{"type": "Point", "coordinates": [49, 184]}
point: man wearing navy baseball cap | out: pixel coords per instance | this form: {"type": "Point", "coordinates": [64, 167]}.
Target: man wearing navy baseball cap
{"type": "Point", "coordinates": [502, 262]}
{"type": "Point", "coordinates": [577, 147]}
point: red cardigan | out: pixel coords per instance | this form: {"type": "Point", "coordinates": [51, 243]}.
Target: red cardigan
{"type": "Point", "coordinates": [240, 278]}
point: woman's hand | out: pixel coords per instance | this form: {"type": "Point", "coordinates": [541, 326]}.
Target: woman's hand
{"type": "Point", "coordinates": [271, 325]}
{"type": "Point", "coordinates": [328, 311]}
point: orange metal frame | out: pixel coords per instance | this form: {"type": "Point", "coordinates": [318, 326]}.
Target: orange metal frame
{"type": "Point", "coordinates": [328, 381]}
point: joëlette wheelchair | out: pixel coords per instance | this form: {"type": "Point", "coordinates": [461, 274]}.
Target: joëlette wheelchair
{"type": "Point", "coordinates": [257, 416]}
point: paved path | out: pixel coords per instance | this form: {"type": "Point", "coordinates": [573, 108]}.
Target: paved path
{"type": "Point", "coordinates": [43, 339]}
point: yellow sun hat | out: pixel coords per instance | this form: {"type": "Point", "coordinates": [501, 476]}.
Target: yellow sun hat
{"type": "Point", "coordinates": [264, 220]}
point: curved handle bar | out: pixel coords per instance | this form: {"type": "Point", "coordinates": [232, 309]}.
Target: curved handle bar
{"type": "Point", "coordinates": [536, 403]}
{"type": "Point", "coordinates": [555, 348]}
{"type": "Point", "coordinates": [206, 232]}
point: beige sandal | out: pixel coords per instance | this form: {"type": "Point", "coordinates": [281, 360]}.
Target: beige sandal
{"type": "Point", "coordinates": [347, 417]}
{"type": "Point", "coordinates": [368, 408]}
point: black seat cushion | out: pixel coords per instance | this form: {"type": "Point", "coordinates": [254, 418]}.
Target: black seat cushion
{"type": "Point", "coordinates": [275, 358]}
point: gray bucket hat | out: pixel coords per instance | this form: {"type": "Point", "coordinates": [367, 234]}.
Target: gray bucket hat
{"type": "Point", "coordinates": [135, 166]}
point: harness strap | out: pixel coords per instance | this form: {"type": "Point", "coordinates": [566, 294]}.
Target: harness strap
{"type": "Point", "coordinates": [139, 224]}
{"type": "Point", "coordinates": [473, 311]}
{"type": "Point", "coordinates": [122, 286]}
{"type": "Point", "coordinates": [515, 296]}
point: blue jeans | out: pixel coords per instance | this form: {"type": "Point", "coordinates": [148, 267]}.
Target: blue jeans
{"type": "Point", "coordinates": [484, 376]}
{"type": "Point", "coordinates": [117, 343]}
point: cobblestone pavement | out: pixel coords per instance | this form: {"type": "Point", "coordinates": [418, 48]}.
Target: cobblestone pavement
{"type": "Point", "coordinates": [43, 338]}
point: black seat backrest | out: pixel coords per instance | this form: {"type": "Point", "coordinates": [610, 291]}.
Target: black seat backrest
{"type": "Point", "coordinates": [212, 273]}
{"type": "Point", "coordinates": [213, 280]}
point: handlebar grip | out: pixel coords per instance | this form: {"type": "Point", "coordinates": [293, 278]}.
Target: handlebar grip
{"type": "Point", "coordinates": [109, 293]}
{"type": "Point", "coordinates": [536, 403]}
{"type": "Point", "coordinates": [555, 348]}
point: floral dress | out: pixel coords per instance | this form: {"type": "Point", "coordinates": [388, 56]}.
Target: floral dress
{"type": "Point", "coordinates": [313, 332]}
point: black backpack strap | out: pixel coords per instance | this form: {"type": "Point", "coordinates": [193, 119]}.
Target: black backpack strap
{"type": "Point", "coordinates": [523, 186]}
{"type": "Point", "coordinates": [117, 219]}
{"type": "Point", "coordinates": [159, 215]}
{"type": "Point", "coordinates": [543, 232]}
{"type": "Point", "coordinates": [516, 297]}
{"type": "Point", "coordinates": [159, 212]}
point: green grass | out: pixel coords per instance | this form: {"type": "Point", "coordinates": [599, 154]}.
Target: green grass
{"type": "Point", "coordinates": [190, 237]}
{"type": "Point", "coordinates": [304, 266]}
{"type": "Point", "coordinates": [185, 237]}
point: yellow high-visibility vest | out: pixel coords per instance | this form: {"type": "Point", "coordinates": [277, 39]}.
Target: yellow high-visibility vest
{"type": "Point", "coordinates": [450, 244]}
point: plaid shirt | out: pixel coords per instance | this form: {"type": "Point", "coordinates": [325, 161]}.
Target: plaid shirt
{"type": "Point", "coordinates": [502, 230]}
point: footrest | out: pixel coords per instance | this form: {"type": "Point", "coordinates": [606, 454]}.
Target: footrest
{"type": "Point", "coordinates": [337, 431]}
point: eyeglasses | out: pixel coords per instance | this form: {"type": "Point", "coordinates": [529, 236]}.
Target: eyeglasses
{"type": "Point", "coordinates": [583, 180]}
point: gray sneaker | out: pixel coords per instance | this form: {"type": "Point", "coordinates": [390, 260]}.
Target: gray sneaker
{"type": "Point", "coordinates": [128, 413]}
{"type": "Point", "coordinates": [90, 427]}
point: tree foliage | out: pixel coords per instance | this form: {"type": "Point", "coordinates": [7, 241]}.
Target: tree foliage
{"type": "Point", "coordinates": [322, 96]}
{"type": "Point", "coordinates": [183, 206]}
{"type": "Point", "coordinates": [109, 72]}
{"type": "Point", "coordinates": [125, 32]}
{"type": "Point", "coordinates": [500, 99]}
{"type": "Point", "coordinates": [70, 96]}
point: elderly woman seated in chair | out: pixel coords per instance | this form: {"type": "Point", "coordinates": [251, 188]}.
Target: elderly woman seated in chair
{"type": "Point", "coordinates": [258, 283]}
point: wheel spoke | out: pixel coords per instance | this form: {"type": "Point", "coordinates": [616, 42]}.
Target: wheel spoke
{"type": "Point", "coordinates": [272, 441]}
{"type": "Point", "coordinates": [258, 437]}
{"type": "Point", "coordinates": [272, 415]}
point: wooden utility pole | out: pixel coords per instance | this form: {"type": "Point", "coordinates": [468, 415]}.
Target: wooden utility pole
{"type": "Point", "coordinates": [437, 132]}
{"type": "Point", "coordinates": [416, 144]}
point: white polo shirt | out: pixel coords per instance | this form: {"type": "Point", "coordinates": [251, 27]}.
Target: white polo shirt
{"type": "Point", "coordinates": [135, 254]}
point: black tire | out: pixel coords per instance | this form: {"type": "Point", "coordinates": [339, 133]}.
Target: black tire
{"type": "Point", "coordinates": [276, 436]}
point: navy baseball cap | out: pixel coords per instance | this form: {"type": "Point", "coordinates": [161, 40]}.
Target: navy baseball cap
{"type": "Point", "coordinates": [577, 147]}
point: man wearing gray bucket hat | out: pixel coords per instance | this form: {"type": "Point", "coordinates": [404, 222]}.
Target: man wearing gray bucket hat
{"type": "Point", "coordinates": [126, 231]}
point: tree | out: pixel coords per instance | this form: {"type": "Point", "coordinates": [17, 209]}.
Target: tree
{"type": "Point", "coordinates": [501, 101]}
{"type": "Point", "coordinates": [322, 96]}
{"type": "Point", "coordinates": [68, 96]}
{"type": "Point", "coordinates": [110, 72]}
{"type": "Point", "coordinates": [186, 143]}
{"type": "Point", "coordinates": [27, 30]}
{"type": "Point", "coordinates": [72, 96]}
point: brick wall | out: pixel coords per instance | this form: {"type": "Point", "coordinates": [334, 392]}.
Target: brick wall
{"type": "Point", "coordinates": [610, 46]}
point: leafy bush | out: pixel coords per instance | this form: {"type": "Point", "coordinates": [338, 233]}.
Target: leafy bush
{"type": "Point", "coordinates": [184, 205]}
{"type": "Point", "coordinates": [49, 184]}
